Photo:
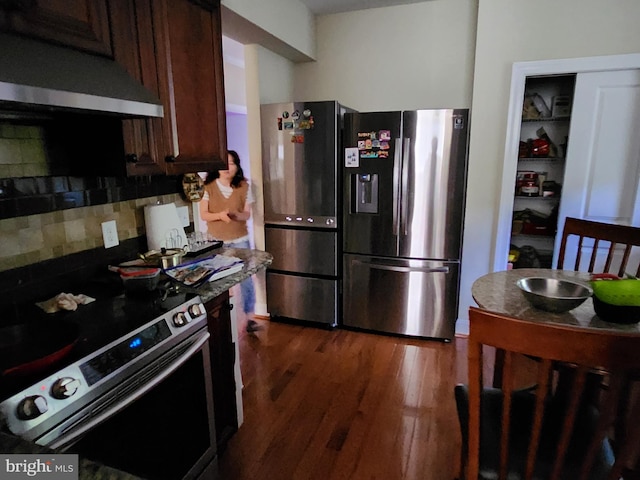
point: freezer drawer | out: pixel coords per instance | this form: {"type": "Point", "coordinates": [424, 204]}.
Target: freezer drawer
{"type": "Point", "coordinates": [400, 296]}
{"type": "Point", "coordinates": [302, 298]}
{"type": "Point", "coordinates": [313, 252]}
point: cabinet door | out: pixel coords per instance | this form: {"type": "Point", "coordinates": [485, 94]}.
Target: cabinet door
{"type": "Point", "coordinates": [196, 86]}
{"type": "Point", "coordinates": [81, 24]}
{"type": "Point", "coordinates": [137, 26]}
{"type": "Point", "coordinates": [222, 350]}
{"type": "Point", "coordinates": [175, 49]}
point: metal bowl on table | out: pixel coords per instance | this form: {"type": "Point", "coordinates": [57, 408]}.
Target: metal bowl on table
{"type": "Point", "coordinates": [553, 295]}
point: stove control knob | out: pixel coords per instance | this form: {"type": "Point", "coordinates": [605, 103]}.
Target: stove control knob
{"type": "Point", "coordinates": [180, 319]}
{"type": "Point", "coordinates": [64, 387]}
{"type": "Point", "coordinates": [32, 407]}
{"type": "Point", "coordinates": [196, 310]}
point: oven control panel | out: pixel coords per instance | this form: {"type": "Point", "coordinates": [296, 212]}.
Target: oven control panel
{"type": "Point", "coordinates": [49, 402]}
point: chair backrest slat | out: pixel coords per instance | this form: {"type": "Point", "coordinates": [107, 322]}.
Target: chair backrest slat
{"type": "Point", "coordinates": [608, 412]}
{"type": "Point", "coordinates": [612, 236]}
{"type": "Point", "coordinates": [579, 381]}
{"type": "Point", "coordinates": [507, 388]}
{"type": "Point", "coordinates": [544, 377]}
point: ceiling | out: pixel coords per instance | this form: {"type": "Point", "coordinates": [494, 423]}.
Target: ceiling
{"type": "Point", "coordinates": [323, 7]}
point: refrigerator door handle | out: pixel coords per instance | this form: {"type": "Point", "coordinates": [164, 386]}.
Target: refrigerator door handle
{"type": "Point", "coordinates": [404, 206]}
{"type": "Point", "coordinates": [394, 268]}
{"type": "Point", "coordinates": [397, 166]}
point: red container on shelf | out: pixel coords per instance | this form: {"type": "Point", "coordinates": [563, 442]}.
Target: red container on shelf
{"type": "Point", "coordinates": [530, 186]}
{"type": "Point", "coordinates": [539, 147]}
{"type": "Point", "coordinates": [529, 228]}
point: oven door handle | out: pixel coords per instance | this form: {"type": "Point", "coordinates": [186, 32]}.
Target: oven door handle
{"type": "Point", "coordinates": [83, 425]}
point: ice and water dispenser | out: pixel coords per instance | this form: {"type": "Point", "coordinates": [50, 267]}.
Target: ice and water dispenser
{"type": "Point", "coordinates": [365, 193]}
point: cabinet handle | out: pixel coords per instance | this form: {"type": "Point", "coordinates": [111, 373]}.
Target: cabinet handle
{"type": "Point", "coordinates": [229, 305]}
{"type": "Point", "coordinates": [170, 159]}
{"type": "Point", "coordinates": [131, 158]}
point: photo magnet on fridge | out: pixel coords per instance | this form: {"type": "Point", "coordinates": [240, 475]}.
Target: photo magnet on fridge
{"type": "Point", "coordinates": [351, 158]}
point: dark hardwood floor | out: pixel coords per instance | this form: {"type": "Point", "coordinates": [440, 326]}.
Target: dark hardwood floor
{"type": "Point", "coordinates": [337, 404]}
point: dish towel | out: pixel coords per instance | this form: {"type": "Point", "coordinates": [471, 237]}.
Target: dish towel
{"type": "Point", "coordinates": [64, 301]}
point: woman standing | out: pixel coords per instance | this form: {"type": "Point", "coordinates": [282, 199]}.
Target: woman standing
{"type": "Point", "coordinates": [226, 207]}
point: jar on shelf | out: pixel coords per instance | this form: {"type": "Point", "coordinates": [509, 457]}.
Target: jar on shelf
{"type": "Point", "coordinates": [530, 186]}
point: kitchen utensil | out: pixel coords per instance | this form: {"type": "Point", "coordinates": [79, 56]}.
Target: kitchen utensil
{"type": "Point", "coordinates": [132, 271]}
{"type": "Point", "coordinates": [165, 257]}
{"type": "Point", "coordinates": [29, 348]}
{"type": "Point", "coordinates": [163, 227]}
{"type": "Point", "coordinates": [138, 279]}
{"type": "Point", "coordinates": [173, 239]}
{"type": "Point", "coordinates": [553, 295]}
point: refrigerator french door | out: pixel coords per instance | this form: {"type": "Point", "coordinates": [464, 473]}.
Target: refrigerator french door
{"type": "Point", "coordinates": [303, 191]}
{"type": "Point", "coordinates": [405, 179]}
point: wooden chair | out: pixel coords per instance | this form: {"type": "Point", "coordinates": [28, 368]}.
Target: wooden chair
{"type": "Point", "coordinates": [618, 241]}
{"type": "Point", "coordinates": [546, 433]}
{"type": "Point", "coordinates": [615, 238]}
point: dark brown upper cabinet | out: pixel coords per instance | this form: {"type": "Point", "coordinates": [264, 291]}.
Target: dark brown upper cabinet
{"type": "Point", "coordinates": [174, 48]}
{"type": "Point", "coordinates": [80, 24]}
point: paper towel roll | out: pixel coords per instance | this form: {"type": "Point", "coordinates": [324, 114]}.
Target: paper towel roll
{"type": "Point", "coordinates": [164, 229]}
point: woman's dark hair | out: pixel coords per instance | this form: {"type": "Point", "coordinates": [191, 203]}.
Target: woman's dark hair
{"type": "Point", "coordinates": [237, 178]}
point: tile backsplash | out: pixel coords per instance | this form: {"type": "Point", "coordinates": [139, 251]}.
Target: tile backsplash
{"type": "Point", "coordinates": [22, 151]}
{"type": "Point", "coordinates": [35, 238]}
{"type": "Point", "coordinates": [60, 179]}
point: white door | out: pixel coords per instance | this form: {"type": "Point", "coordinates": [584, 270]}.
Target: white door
{"type": "Point", "coordinates": [602, 175]}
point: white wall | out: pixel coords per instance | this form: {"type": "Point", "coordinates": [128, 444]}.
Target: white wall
{"type": "Point", "coordinates": [269, 79]}
{"type": "Point", "coordinates": [252, 73]}
{"type": "Point", "coordinates": [514, 31]}
{"type": "Point", "coordinates": [394, 58]}
{"type": "Point", "coordinates": [285, 26]}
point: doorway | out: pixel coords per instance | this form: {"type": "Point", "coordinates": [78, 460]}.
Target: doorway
{"type": "Point", "coordinates": [520, 72]}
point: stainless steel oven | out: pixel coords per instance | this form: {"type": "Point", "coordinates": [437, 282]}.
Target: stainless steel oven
{"type": "Point", "coordinates": [143, 403]}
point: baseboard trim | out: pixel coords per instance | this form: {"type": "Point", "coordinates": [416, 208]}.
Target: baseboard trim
{"type": "Point", "coordinates": [462, 327]}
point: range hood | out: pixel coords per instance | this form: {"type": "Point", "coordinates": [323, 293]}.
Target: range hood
{"type": "Point", "coordinates": [40, 77]}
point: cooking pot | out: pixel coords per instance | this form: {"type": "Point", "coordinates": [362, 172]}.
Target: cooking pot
{"type": "Point", "coordinates": [29, 348]}
{"type": "Point", "coordinates": [165, 257]}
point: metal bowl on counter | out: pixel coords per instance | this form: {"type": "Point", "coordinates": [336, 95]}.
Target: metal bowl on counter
{"type": "Point", "coordinates": [553, 295]}
{"type": "Point", "coordinates": [165, 257]}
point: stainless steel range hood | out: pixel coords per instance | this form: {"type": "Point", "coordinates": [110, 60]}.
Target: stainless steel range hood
{"type": "Point", "coordinates": [40, 77]}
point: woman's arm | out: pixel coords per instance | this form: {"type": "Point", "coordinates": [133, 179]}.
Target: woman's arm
{"type": "Point", "coordinates": [208, 216]}
{"type": "Point", "coordinates": [241, 216]}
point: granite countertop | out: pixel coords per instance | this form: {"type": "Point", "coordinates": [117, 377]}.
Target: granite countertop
{"type": "Point", "coordinates": [254, 261]}
{"type": "Point", "coordinates": [499, 293]}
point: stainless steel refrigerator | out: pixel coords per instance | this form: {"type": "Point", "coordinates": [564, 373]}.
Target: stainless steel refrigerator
{"type": "Point", "coordinates": [404, 181]}
{"type": "Point", "coordinates": [302, 194]}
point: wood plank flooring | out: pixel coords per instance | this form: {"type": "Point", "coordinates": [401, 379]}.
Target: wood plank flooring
{"type": "Point", "coordinates": [337, 404]}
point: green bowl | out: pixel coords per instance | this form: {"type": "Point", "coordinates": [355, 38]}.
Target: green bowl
{"type": "Point", "coordinates": [625, 292]}
{"type": "Point", "coordinates": [625, 314]}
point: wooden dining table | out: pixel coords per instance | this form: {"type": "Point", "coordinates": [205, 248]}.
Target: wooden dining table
{"type": "Point", "coordinates": [498, 292]}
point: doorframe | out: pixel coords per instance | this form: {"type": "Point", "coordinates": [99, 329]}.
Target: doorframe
{"type": "Point", "coordinates": [519, 73]}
